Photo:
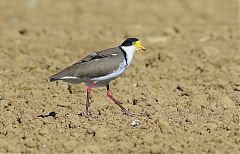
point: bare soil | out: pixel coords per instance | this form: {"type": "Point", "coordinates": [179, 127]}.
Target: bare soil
{"type": "Point", "coordinates": [185, 91]}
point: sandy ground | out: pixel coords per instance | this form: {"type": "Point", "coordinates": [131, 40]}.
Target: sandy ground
{"type": "Point", "coordinates": [185, 90]}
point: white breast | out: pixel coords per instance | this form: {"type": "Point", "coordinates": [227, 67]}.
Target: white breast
{"type": "Point", "coordinates": [130, 50]}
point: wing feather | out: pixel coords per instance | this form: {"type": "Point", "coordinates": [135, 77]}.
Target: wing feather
{"type": "Point", "coordinates": [94, 65]}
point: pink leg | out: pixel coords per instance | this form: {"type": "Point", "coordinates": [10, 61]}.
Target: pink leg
{"type": "Point", "coordinates": [109, 94]}
{"type": "Point", "coordinates": [89, 89]}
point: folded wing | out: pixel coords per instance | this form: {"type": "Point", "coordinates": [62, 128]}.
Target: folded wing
{"type": "Point", "coordinates": [94, 65]}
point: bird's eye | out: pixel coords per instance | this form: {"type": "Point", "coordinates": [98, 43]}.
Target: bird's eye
{"type": "Point", "coordinates": [134, 43]}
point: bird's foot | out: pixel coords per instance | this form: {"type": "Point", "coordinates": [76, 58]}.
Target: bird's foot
{"type": "Point", "coordinates": [87, 114]}
{"type": "Point", "coordinates": [128, 113]}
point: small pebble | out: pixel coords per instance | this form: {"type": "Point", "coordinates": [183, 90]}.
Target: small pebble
{"type": "Point", "coordinates": [135, 85]}
{"type": "Point", "coordinates": [135, 123]}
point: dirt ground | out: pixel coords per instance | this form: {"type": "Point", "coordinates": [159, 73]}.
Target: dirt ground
{"type": "Point", "coordinates": [185, 91]}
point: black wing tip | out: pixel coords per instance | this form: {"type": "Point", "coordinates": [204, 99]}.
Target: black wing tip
{"type": "Point", "coordinates": [51, 79]}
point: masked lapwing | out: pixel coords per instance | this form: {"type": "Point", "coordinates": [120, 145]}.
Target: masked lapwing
{"type": "Point", "coordinates": [99, 68]}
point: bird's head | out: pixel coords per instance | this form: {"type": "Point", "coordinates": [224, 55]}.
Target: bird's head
{"type": "Point", "coordinates": [134, 42]}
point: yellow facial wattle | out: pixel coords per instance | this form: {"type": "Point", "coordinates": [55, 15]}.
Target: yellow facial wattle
{"type": "Point", "coordinates": [139, 46]}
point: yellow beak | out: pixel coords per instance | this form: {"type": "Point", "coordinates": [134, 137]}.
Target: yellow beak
{"type": "Point", "coordinates": [139, 46]}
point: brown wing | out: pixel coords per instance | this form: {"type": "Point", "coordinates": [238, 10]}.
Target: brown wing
{"type": "Point", "coordinates": [94, 65]}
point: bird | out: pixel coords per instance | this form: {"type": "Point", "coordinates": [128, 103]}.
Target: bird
{"type": "Point", "coordinates": [99, 68]}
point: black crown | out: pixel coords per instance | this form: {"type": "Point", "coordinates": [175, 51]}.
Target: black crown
{"type": "Point", "coordinates": [129, 41]}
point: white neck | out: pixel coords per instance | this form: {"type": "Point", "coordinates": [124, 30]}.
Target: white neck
{"type": "Point", "coordinates": [130, 50]}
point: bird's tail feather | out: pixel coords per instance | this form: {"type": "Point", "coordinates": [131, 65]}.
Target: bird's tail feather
{"type": "Point", "coordinates": [51, 79]}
